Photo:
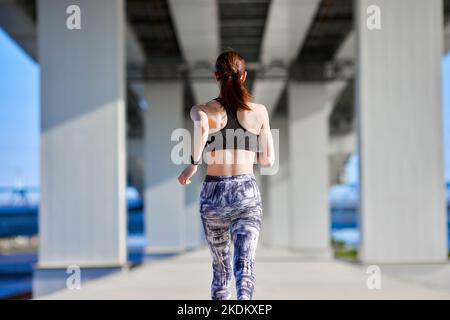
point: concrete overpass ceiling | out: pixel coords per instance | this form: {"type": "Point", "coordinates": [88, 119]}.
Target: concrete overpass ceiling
{"type": "Point", "coordinates": [242, 24]}
{"type": "Point", "coordinates": [30, 8]}
{"type": "Point", "coordinates": [197, 26]}
{"type": "Point", "coordinates": [447, 11]}
{"type": "Point", "coordinates": [152, 23]}
{"type": "Point", "coordinates": [18, 19]}
{"type": "Point", "coordinates": [331, 25]}
{"type": "Point", "coordinates": [330, 28]}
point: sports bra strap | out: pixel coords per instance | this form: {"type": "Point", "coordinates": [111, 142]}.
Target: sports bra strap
{"type": "Point", "coordinates": [231, 114]}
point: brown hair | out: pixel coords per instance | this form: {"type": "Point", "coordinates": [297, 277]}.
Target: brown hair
{"type": "Point", "coordinates": [230, 66]}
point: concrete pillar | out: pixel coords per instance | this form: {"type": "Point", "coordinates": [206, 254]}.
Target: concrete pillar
{"type": "Point", "coordinates": [403, 214]}
{"type": "Point", "coordinates": [205, 90]}
{"type": "Point", "coordinates": [82, 218]}
{"type": "Point", "coordinates": [309, 108]}
{"type": "Point", "coordinates": [135, 163]}
{"type": "Point", "coordinates": [276, 193]}
{"type": "Point", "coordinates": [164, 197]}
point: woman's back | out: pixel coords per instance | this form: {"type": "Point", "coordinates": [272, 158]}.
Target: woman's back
{"type": "Point", "coordinates": [232, 160]}
{"type": "Point", "coordinates": [230, 153]}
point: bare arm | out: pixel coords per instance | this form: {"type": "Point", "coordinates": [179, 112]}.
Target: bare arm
{"type": "Point", "coordinates": [266, 157]}
{"type": "Point", "coordinates": [201, 129]}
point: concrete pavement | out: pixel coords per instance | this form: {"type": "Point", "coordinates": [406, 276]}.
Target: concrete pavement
{"type": "Point", "coordinates": [281, 274]}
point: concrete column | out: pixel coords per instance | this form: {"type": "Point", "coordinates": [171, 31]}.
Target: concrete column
{"type": "Point", "coordinates": [82, 218]}
{"type": "Point", "coordinates": [309, 109]}
{"type": "Point", "coordinates": [276, 193]}
{"type": "Point", "coordinates": [403, 214]}
{"type": "Point", "coordinates": [135, 163]}
{"type": "Point", "coordinates": [205, 90]}
{"type": "Point", "coordinates": [164, 197]}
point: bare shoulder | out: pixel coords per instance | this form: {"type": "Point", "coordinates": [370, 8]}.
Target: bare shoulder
{"type": "Point", "coordinates": [207, 107]}
{"type": "Point", "coordinates": [258, 107]}
{"type": "Point", "coordinates": [260, 110]}
{"type": "Point", "coordinates": [262, 114]}
{"type": "Point", "coordinates": [198, 111]}
{"type": "Point", "coordinates": [198, 107]}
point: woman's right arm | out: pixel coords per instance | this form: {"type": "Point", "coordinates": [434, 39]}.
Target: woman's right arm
{"type": "Point", "coordinates": [201, 130]}
{"type": "Point", "coordinates": [200, 119]}
{"type": "Point", "coordinates": [266, 157]}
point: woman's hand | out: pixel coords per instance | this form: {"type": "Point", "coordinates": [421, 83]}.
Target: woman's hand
{"type": "Point", "coordinates": [186, 175]}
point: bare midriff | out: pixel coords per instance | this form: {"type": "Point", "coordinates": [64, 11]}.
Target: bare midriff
{"type": "Point", "coordinates": [229, 162]}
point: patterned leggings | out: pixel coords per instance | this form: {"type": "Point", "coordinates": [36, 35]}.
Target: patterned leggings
{"type": "Point", "coordinates": [231, 203]}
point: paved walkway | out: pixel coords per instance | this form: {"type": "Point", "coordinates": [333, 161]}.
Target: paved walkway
{"type": "Point", "coordinates": [280, 275]}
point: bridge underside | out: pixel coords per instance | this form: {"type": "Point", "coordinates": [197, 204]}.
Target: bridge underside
{"type": "Point", "coordinates": [113, 92]}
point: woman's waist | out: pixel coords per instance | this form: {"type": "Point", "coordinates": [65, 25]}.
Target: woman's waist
{"type": "Point", "coordinates": [230, 169]}
{"type": "Point", "coordinates": [234, 177]}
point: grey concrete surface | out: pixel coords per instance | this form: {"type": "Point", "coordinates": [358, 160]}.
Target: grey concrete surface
{"type": "Point", "coordinates": [280, 275]}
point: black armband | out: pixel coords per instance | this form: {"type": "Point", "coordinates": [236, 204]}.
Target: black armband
{"type": "Point", "coordinates": [194, 162]}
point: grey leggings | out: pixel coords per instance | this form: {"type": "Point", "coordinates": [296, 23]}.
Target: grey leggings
{"type": "Point", "coordinates": [231, 203]}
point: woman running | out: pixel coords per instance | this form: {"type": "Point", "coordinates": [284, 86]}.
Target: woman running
{"type": "Point", "coordinates": [233, 132]}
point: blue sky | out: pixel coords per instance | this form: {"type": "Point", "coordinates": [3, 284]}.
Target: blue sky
{"type": "Point", "coordinates": [19, 117]}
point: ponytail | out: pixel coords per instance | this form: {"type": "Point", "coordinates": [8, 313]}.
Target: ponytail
{"type": "Point", "coordinates": [230, 66]}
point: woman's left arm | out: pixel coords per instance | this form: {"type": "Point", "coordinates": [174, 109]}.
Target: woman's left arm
{"type": "Point", "coordinates": [201, 130]}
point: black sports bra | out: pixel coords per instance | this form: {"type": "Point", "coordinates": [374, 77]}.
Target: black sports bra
{"type": "Point", "coordinates": [232, 136]}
